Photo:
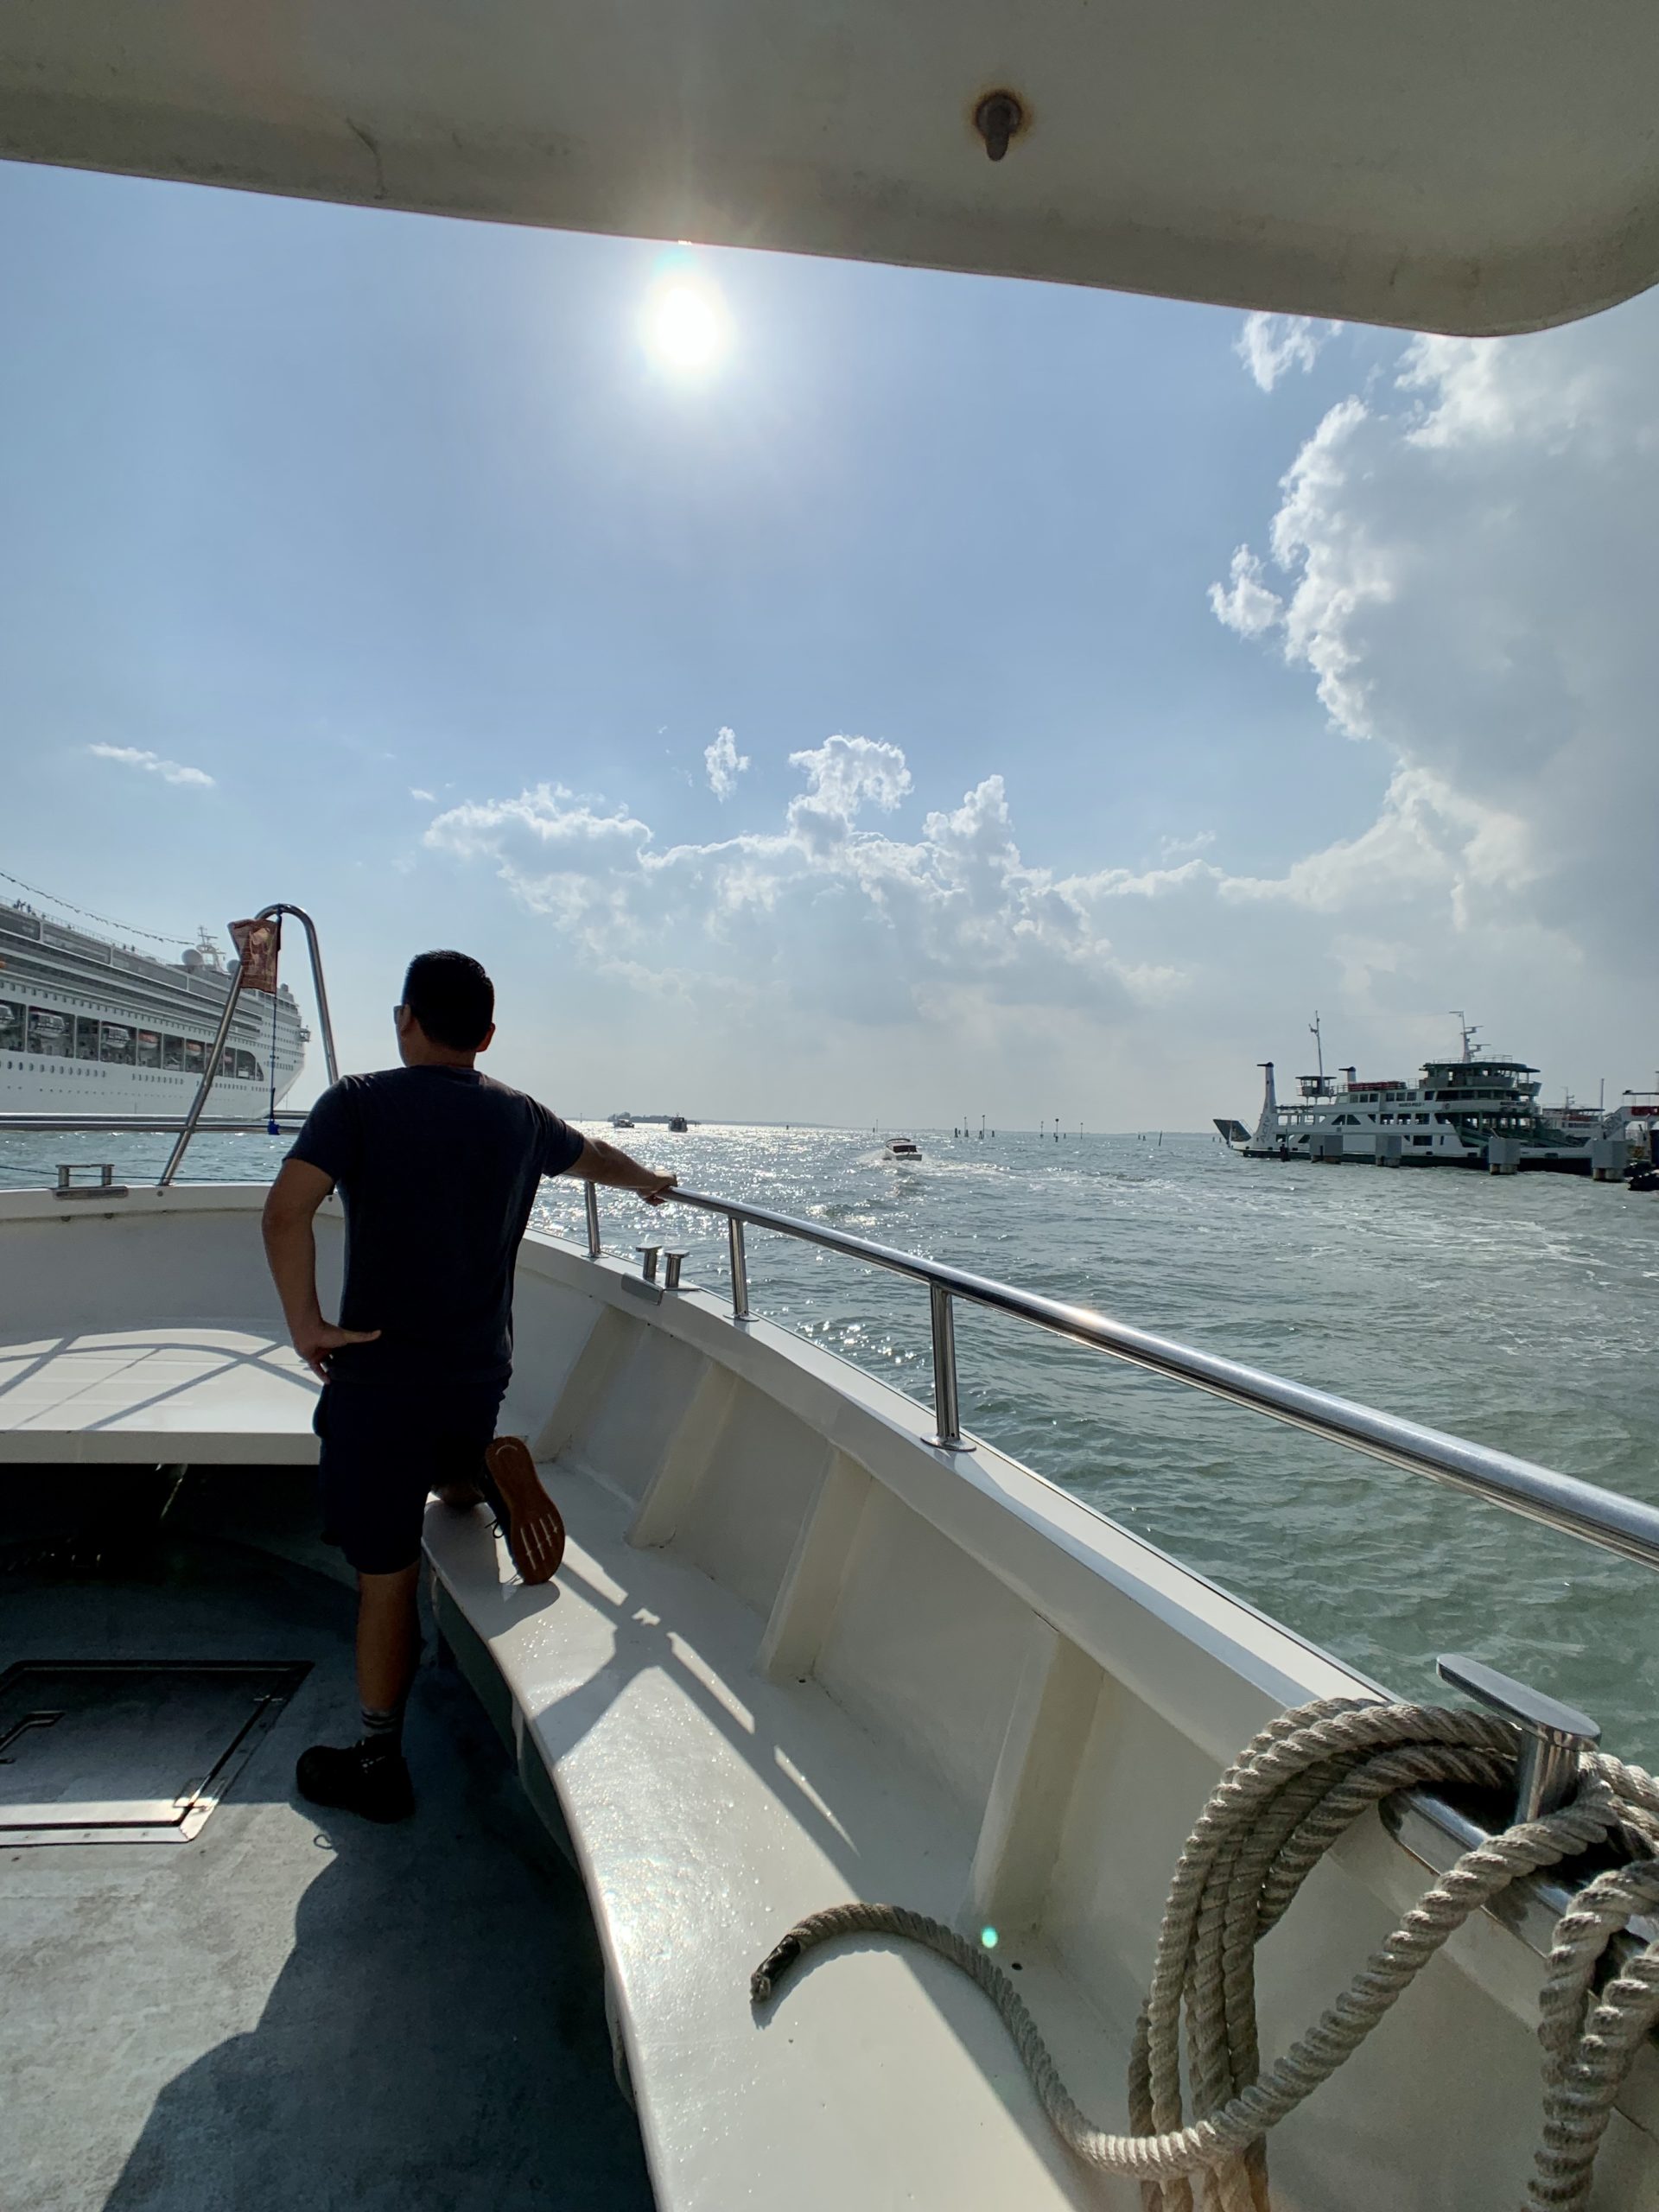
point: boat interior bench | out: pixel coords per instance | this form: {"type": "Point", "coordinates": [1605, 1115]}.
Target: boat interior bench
{"type": "Point", "coordinates": [708, 1809]}
{"type": "Point", "coordinates": [225, 1391]}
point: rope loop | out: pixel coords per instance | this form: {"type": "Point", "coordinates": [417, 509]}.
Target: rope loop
{"type": "Point", "coordinates": [1298, 1786]}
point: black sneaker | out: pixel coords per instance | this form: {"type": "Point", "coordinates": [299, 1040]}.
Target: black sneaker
{"type": "Point", "coordinates": [358, 1779]}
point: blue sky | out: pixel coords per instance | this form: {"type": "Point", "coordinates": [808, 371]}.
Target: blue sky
{"type": "Point", "coordinates": [334, 506]}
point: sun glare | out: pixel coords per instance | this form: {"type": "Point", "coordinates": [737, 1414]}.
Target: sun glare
{"type": "Point", "coordinates": [685, 327]}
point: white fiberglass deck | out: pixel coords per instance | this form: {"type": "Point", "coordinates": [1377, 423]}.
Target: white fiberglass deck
{"type": "Point", "coordinates": [796, 1656]}
{"type": "Point", "coordinates": [182, 1390]}
{"type": "Point", "coordinates": [708, 1809]}
{"type": "Point", "coordinates": [123, 1341]}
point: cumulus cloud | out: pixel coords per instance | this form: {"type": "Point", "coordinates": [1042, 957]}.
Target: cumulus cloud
{"type": "Point", "coordinates": [1469, 573]}
{"type": "Point", "coordinates": [1245, 603]}
{"type": "Point", "coordinates": [416, 791]}
{"type": "Point", "coordinates": [1270, 346]}
{"type": "Point", "coordinates": [170, 771]}
{"type": "Point", "coordinates": [1461, 564]}
{"type": "Point", "coordinates": [1458, 565]}
{"type": "Point", "coordinates": [828, 907]}
{"type": "Point", "coordinates": [724, 763]}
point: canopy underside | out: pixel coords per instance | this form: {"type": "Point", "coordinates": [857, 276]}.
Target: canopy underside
{"type": "Point", "coordinates": [1480, 168]}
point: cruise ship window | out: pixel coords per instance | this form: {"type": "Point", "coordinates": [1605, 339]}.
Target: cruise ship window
{"type": "Point", "coordinates": [11, 1024]}
{"type": "Point", "coordinates": [149, 1049]}
{"type": "Point", "coordinates": [227, 1062]}
{"type": "Point", "coordinates": [195, 1051]}
{"type": "Point", "coordinates": [245, 1066]}
{"type": "Point", "coordinates": [172, 1052]}
{"type": "Point", "coordinates": [85, 1038]}
{"type": "Point", "coordinates": [116, 1044]}
{"type": "Point", "coordinates": [48, 1033]}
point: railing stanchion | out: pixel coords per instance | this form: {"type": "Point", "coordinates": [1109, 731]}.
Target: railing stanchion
{"type": "Point", "coordinates": [209, 1069]}
{"type": "Point", "coordinates": [590, 1195]}
{"type": "Point", "coordinates": [947, 1415]}
{"type": "Point", "coordinates": [324, 1021]}
{"type": "Point", "coordinates": [739, 1268]}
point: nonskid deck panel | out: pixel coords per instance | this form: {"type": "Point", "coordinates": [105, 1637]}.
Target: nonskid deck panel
{"type": "Point", "coordinates": [297, 2012]}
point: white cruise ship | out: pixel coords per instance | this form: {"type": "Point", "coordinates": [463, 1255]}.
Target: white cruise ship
{"type": "Point", "coordinates": [91, 1026]}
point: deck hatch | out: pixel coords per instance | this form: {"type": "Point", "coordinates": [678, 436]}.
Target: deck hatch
{"type": "Point", "coordinates": [93, 1751]}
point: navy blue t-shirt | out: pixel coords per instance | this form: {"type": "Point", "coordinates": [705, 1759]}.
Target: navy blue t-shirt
{"type": "Point", "coordinates": [437, 1169]}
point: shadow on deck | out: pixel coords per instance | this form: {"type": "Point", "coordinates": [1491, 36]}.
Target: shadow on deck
{"type": "Point", "coordinates": [297, 2010]}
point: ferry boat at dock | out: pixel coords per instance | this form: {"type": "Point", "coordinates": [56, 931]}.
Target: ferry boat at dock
{"type": "Point", "coordinates": [1480, 1109]}
{"type": "Point", "coordinates": [88, 1025]}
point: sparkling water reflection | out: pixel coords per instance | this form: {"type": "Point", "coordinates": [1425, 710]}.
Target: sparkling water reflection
{"type": "Point", "coordinates": [1522, 1312]}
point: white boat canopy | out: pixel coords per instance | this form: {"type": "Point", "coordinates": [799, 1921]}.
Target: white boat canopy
{"type": "Point", "coordinates": [1481, 168]}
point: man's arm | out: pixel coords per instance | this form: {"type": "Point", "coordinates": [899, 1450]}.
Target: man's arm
{"type": "Point", "coordinates": [291, 1255]}
{"type": "Point", "coordinates": [599, 1162]}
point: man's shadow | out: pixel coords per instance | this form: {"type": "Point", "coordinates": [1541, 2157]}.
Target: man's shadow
{"type": "Point", "coordinates": [436, 2037]}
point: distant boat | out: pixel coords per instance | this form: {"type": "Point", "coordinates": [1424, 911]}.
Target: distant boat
{"type": "Point", "coordinates": [676, 1124]}
{"type": "Point", "coordinates": [621, 1121]}
{"type": "Point", "coordinates": [903, 1148]}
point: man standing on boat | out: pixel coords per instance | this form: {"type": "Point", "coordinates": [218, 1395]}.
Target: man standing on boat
{"type": "Point", "coordinates": [437, 1167]}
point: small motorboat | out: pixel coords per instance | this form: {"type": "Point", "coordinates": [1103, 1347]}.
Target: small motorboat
{"type": "Point", "coordinates": [903, 1148]}
{"type": "Point", "coordinates": [676, 1124]}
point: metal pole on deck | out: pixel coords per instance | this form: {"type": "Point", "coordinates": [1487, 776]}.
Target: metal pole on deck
{"type": "Point", "coordinates": [948, 1436]}
{"type": "Point", "coordinates": [590, 1195]}
{"type": "Point", "coordinates": [740, 1269]}
{"type": "Point", "coordinates": [211, 1071]}
{"type": "Point", "coordinates": [323, 1021]}
{"type": "Point", "coordinates": [215, 1054]}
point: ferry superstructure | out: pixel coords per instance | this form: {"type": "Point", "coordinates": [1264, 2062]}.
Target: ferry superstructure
{"type": "Point", "coordinates": [89, 1025]}
{"type": "Point", "coordinates": [1476, 1110]}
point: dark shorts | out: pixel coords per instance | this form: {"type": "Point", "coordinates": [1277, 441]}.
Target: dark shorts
{"type": "Point", "coordinates": [384, 1449]}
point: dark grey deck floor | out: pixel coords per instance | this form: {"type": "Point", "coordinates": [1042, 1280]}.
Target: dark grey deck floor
{"type": "Point", "coordinates": [297, 2010]}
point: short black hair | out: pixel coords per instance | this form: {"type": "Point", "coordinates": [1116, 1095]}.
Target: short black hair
{"type": "Point", "coordinates": [452, 998]}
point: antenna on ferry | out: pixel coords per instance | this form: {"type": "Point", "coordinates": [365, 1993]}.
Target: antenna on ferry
{"type": "Point", "coordinates": [1469, 1034]}
{"type": "Point", "coordinates": [1318, 1044]}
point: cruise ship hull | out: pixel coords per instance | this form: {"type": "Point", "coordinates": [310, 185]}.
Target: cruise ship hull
{"type": "Point", "coordinates": [88, 1027]}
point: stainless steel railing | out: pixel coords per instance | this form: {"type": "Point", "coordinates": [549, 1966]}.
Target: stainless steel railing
{"type": "Point", "coordinates": [1598, 1516]}
{"type": "Point", "coordinates": [145, 1125]}
{"type": "Point", "coordinates": [1602, 1517]}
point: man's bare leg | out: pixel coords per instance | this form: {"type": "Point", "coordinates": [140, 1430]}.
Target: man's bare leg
{"type": "Point", "coordinates": [370, 1777]}
{"type": "Point", "coordinates": [388, 1638]}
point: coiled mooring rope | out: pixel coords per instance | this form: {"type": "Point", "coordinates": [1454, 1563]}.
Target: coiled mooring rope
{"type": "Point", "coordinates": [1273, 1815]}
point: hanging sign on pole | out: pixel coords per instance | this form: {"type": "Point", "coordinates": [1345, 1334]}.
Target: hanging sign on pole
{"type": "Point", "coordinates": [257, 946]}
